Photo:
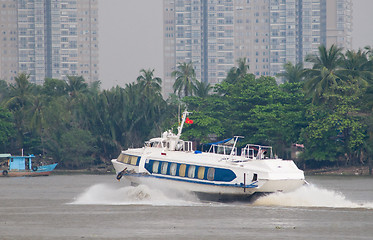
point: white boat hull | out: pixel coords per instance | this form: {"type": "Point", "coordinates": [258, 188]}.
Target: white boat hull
{"type": "Point", "coordinates": [237, 188]}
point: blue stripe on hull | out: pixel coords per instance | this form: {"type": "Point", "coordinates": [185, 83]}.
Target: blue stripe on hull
{"type": "Point", "coordinates": [252, 185]}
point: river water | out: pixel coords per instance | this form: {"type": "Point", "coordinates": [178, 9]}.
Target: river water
{"type": "Point", "coordinates": [99, 207]}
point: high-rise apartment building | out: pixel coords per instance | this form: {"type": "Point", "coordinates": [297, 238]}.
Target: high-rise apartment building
{"type": "Point", "coordinates": [49, 39]}
{"type": "Point", "coordinates": [339, 23]}
{"type": "Point", "coordinates": [214, 34]}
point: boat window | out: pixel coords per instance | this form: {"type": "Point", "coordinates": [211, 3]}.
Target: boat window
{"type": "Point", "coordinates": [133, 160]}
{"type": "Point", "coordinates": [201, 172]}
{"type": "Point", "coordinates": [221, 150]}
{"type": "Point", "coordinates": [182, 169]}
{"type": "Point", "coordinates": [173, 168]}
{"type": "Point", "coordinates": [211, 174]}
{"type": "Point", "coordinates": [155, 166]}
{"type": "Point", "coordinates": [255, 177]}
{"type": "Point", "coordinates": [156, 144]}
{"type": "Point", "coordinates": [164, 167]}
{"type": "Point", "coordinates": [191, 171]}
{"type": "Point", "coordinates": [120, 158]}
{"type": "Point", "coordinates": [127, 159]}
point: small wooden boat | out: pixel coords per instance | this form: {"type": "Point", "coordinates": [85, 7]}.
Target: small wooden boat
{"type": "Point", "coordinates": [21, 166]}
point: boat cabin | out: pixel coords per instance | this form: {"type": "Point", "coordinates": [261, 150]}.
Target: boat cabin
{"type": "Point", "coordinates": [18, 163]}
{"type": "Point", "coordinates": [171, 142]}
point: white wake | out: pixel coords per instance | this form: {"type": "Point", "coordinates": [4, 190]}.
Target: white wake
{"type": "Point", "coordinates": [105, 194]}
{"type": "Point", "coordinates": [311, 196]}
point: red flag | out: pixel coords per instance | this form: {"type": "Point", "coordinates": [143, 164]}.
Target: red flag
{"type": "Point", "coordinates": [188, 121]}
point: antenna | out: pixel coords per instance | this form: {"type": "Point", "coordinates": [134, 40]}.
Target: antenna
{"type": "Point", "coordinates": [180, 127]}
{"type": "Point", "coordinates": [178, 115]}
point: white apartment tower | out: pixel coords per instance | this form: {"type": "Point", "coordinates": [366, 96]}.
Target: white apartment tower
{"type": "Point", "coordinates": [49, 39]}
{"type": "Point", "coordinates": [214, 34]}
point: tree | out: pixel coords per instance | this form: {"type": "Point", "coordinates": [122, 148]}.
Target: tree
{"type": "Point", "coordinates": [76, 85]}
{"type": "Point", "coordinates": [202, 89]}
{"type": "Point", "coordinates": [324, 75]}
{"type": "Point", "coordinates": [6, 128]}
{"type": "Point", "coordinates": [20, 92]}
{"type": "Point", "coordinates": [54, 87]}
{"type": "Point", "coordinates": [369, 51]}
{"type": "Point", "coordinates": [185, 82]}
{"type": "Point", "coordinates": [150, 85]}
{"type": "Point", "coordinates": [242, 68]}
{"type": "Point", "coordinates": [292, 74]}
{"type": "Point", "coordinates": [357, 65]}
{"type": "Point", "coordinates": [20, 98]}
{"type": "Point", "coordinates": [77, 147]}
{"type": "Point", "coordinates": [256, 108]}
{"type": "Point", "coordinates": [238, 72]}
{"type": "Point", "coordinates": [4, 90]}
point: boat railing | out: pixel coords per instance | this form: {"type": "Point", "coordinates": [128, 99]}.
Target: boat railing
{"type": "Point", "coordinates": [188, 146]}
{"type": "Point", "coordinates": [252, 151]}
{"type": "Point", "coordinates": [223, 149]}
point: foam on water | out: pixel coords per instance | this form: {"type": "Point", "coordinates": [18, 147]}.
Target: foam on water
{"type": "Point", "coordinates": [311, 196]}
{"type": "Point", "coordinates": [306, 196]}
{"type": "Point", "coordinates": [104, 194]}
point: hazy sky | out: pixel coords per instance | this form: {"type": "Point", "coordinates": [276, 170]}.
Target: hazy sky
{"type": "Point", "coordinates": [130, 37]}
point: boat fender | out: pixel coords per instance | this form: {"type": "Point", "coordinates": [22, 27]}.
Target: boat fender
{"type": "Point", "coordinates": [34, 168]}
{"type": "Point", "coordinates": [120, 174]}
{"type": "Point", "coordinates": [5, 173]}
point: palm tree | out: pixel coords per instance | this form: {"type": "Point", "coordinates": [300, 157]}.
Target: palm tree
{"type": "Point", "coordinates": [369, 52]}
{"type": "Point", "coordinates": [238, 72]}
{"type": "Point", "coordinates": [202, 89]}
{"type": "Point", "coordinates": [20, 92]}
{"type": "Point", "coordinates": [358, 66]}
{"type": "Point", "coordinates": [358, 69]}
{"type": "Point", "coordinates": [76, 85]}
{"type": "Point", "coordinates": [242, 68]}
{"type": "Point", "coordinates": [185, 82]}
{"type": "Point", "coordinates": [37, 121]}
{"type": "Point", "coordinates": [325, 73]}
{"type": "Point", "coordinates": [4, 90]}
{"type": "Point", "coordinates": [20, 99]}
{"type": "Point", "coordinates": [292, 73]}
{"type": "Point", "coordinates": [150, 85]}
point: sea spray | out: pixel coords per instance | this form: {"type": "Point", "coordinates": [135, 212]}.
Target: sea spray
{"type": "Point", "coordinates": [105, 194]}
{"type": "Point", "coordinates": [310, 196]}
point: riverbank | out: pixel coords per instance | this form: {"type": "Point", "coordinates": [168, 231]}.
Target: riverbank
{"type": "Point", "coordinates": [340, 171]}
{"type": "Point", "coordinates": [83, 171]}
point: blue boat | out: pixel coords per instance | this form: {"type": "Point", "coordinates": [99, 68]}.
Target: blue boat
{"type": "Point", "coordinates": [21, 166]}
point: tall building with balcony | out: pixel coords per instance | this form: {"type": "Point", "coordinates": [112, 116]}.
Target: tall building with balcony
{"type": "Point", "coordinates": [214, 34]}
{"type": "Point", "coordinates": [49, 39]}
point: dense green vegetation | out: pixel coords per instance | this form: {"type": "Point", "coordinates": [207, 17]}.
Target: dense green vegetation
{"type": "Point", "coordinates": [327, 108]}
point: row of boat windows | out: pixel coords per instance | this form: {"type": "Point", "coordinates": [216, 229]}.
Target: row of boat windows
{"type": "Point", "coordinates": [128, 159]}
{"type": "Point", "coordinates": [183, 170]}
